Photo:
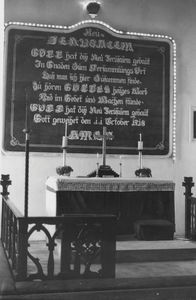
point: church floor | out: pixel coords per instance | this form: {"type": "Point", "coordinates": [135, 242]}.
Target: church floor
{"type": "Point", "coordinates": [152, 274]}
{"type": "Point", "coordinates": [177, 243]}
{"type": "Point", "coordinates": [156, 269]}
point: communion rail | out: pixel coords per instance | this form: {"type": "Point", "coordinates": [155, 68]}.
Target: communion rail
{"type": "Point", "coordinates": [83, 246]}
{"type": "Point", "coordinates": [190, 209]}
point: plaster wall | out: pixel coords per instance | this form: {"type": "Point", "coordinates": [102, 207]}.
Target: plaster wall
{"type": "Point", "coordinates": [175, 18]}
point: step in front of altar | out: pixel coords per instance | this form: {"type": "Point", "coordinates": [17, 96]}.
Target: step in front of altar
{"type": "Point", "coordinates": [145, 276]}
{"type": "Point", "coordinates": [130, 251]}
{"type": "Point", "coordinates": [154, 251]}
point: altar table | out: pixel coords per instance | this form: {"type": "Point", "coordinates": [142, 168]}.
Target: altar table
{"type": "Point", "coordinates": [129, 199]}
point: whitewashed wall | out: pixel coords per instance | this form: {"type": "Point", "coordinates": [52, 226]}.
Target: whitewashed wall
{"type": "Point", "coordinates": [175, 18]}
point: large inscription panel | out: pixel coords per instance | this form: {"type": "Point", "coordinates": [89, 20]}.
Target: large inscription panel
{"type": "Point", "coordinates": [92, 77]}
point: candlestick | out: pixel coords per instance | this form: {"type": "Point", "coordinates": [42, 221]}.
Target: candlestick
{"type": "Point", "coordinates": [120, 166]}
{"type": "Point", "coordinates": [64, 157]}
{"type": "Point", "coordinates": [27, 118]}
{"type": "Point", "coordinates": [140, 160]}
{"type": "Point", "coordinates": [27, 112]}
{"type": "Point", "coordinates": [97, 169]}
{"type": "Point", "coordinates": [104, 145]}
{"type": "Point", "coordinates": [64, 144]}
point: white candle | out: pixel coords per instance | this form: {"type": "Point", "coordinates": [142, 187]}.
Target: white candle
{"type": "Point", "coordinates": [64, 142]}
{"type": "Point", "coordinates": [120, 159]}
{"type": "Point", "coordinates": [64, 139]}
{"type": "Point", "coordinates": [97, 157]}
{"type": "Point", "coordinates": [66, 128]}
{"type": "Point", "coordinates": [140, 145]}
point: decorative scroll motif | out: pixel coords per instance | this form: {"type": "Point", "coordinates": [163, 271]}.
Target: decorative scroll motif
{"type": "Point", "coordinates": [87, 247]}
{"type": "Point", "coordinates": [14, 142]}
{"type": "Point", "coordinates": [18, 38]}
{"type": "Point", "coordinates": [51, 245]}
{"type": "Point", "coordinates": [160, 146]}
{"type": "Point", "coordinates": [162, 50]}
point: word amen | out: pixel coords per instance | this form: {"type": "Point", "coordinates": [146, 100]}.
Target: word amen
{"type": "Point", "coordinates": [87, 135]}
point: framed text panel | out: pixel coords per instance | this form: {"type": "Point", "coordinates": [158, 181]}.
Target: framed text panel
{"type": "Point", "coordinates": [90, 76]}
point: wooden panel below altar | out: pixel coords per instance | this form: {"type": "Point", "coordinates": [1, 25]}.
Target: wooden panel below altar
{"type": "Point", "coordinates": [129, 199]}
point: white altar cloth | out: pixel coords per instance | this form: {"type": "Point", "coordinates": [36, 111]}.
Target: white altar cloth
{"type": "Point", "coordinates": [63, 183]}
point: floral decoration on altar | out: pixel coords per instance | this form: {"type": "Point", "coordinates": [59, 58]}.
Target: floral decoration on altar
{"type": "Point", "coordinates": [64, 170]}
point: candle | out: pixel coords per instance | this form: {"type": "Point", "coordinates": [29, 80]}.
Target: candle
{"type": "Point", "coordinates": [64, 139]}
{"type": "Point", "coordinates": [97, 157]}
{"type": "Point", "coordinates": [66, 128]}
{"type": "Point", "coordinates": [120, 159]}
{"type": "Point", "coordinates": [64, 142]}
{"type": "Point", "coordinates": [140, 143]}
{"type": "Point", "coordinates": [27, 119]}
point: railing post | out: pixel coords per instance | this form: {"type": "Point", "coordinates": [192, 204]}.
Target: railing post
{"type": "Point", "coordinates": [5, 182]}
{"type": "Point", "coordinates": [26, 198]}
{"type": "Point", "coordinates": [188, 184]}
{"type": "Point", "coordinates": [21, 264]}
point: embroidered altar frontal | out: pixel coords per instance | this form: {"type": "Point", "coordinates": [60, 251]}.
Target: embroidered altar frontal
{"type": "Point", "coordinates": [61, 183]}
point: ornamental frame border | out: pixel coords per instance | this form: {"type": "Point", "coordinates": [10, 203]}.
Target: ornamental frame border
{"type": "Point", "coordinates": [132, 34]}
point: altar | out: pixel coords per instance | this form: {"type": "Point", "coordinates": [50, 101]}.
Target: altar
{"type": "Point", "coordinates": [130, 199]}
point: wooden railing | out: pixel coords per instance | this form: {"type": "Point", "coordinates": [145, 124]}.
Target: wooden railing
{"type": "Point", "coordinates": [83, 246]}
{"type": "Point", "coordinates": [190, 209]}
